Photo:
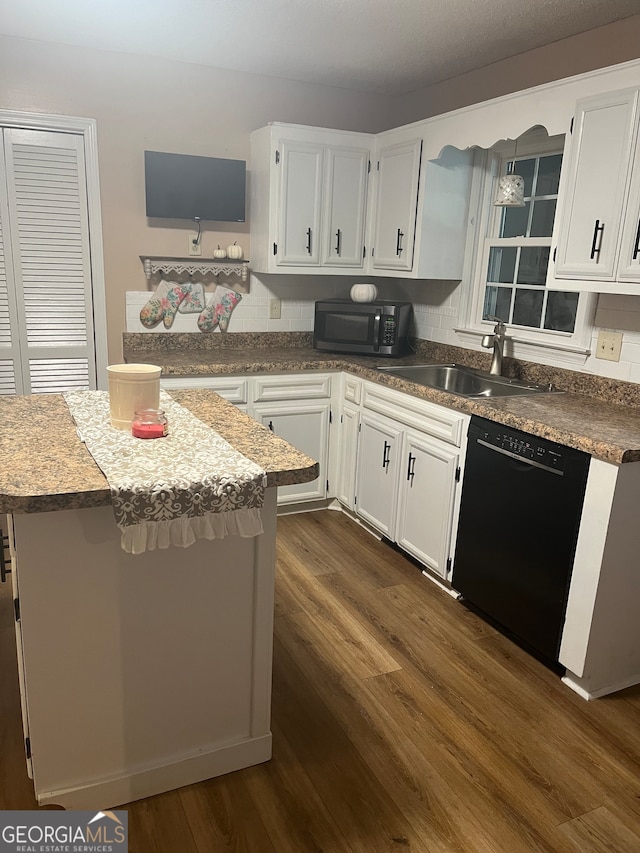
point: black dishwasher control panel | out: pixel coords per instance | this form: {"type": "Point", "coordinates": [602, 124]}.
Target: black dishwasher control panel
{"type": "Point", "coordinates": [521, 445]}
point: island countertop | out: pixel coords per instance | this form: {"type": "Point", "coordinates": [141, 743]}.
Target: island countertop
{"type": "Point", "coordinates": [46, 466]}
{"type": "Point", "coordinates": [596, 415]}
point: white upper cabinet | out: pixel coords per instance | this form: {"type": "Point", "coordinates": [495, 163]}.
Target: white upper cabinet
{"type": "Point", "coordinates": [308, 189]}
{"type": "Point", "coordinates": [598, 228]}
{"type": "Point", "coordinates": [310, 194]}
{"type": "Point", "coordinates": [344, 206]}
{"type": "Point", "coordinates": [301, 194]}
{"type": "Point", "coordinates": [398, 173]}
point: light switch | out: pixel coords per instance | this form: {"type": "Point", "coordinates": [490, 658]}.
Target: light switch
{"type": "Point", "coordinates": [609, 345]}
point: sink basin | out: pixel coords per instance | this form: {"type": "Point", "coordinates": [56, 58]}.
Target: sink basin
{"type": "Point", "coordinates": [457, 379]}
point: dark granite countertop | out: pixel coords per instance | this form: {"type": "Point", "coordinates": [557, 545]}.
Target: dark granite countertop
{"type": "Point", "coordinates": [46, 467]}
{"type": "Point", "coordinates": [599, 416]}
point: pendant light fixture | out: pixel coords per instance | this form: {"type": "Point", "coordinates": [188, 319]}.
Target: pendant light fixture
{"type": "Point", "coordinates": [510, 191]}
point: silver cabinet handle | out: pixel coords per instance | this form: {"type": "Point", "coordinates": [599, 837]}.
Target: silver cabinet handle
{"type": "Point", "coordinates": [399, 242]}
{"type": "Point", "coordinates": [338, 241]}
{"type": "Point", "coordinates": [309, 240]}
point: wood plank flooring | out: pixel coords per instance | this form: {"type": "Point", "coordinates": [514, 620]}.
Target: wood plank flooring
{"type": "Point", "coordinates": [401, 721]}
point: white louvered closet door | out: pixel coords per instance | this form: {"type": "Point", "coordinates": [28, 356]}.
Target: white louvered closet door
{"type": "Point", "coordinates": [46, 311]}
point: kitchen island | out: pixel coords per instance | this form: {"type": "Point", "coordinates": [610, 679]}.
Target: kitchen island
{"type": "Point", "coordinates": [138, 674]}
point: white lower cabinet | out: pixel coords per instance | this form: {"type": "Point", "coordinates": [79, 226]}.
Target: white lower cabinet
{"type": "Point", "coordinates": [347, 454]}
{"type": "Point", "coordinates": [296, 407]}
{"type": "Point", "coordinates": [235, 389]}
{"type": "Point", "coordinates": [429, 472]}
{"type": "Point", "coordinates": [378, 465]}
{"type": "Point", "coordinates": [305, 425]}
{"type": "Point", "coordinates": [407, 471]}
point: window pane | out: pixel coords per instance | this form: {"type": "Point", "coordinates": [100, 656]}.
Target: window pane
{"type": "Point", "coordinates": [515, 221]}
{"type": "Point", "coordinates": [527, 309]}
{"type": "Point", "coordinates": [497, 303]}
{"type": "Point", "coordinates": [502, 264]}
{"type": "Point", "coordinates": [532, 268]}
{"type": "Point", "coordinates": [561, 311]}
{"type": "Point", "coordinates": [549, 175]}
{"type": "Point", "coordinates": [542, 219]}
{"type": "Point", "coordinates": [526, 168]}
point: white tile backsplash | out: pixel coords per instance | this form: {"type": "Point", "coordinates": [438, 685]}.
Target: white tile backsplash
{"type": "Point", "coordinates": [436, 309]}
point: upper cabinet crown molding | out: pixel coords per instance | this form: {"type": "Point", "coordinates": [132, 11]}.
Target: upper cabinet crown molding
{"type": "Point", "coordinates": [550, 105]}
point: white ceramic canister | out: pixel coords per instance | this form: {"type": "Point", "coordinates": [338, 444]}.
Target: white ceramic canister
{"type": "Point", "coordinates": [364, 292]}
{"type": "Point", "coordinates": [132, 387]}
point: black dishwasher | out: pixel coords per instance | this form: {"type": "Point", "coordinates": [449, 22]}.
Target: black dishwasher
{"type": "Point", "coordinates": [520, 512]}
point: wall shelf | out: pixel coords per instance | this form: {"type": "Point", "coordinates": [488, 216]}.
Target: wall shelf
{"type": "Point", "coordinates": [204, 266]}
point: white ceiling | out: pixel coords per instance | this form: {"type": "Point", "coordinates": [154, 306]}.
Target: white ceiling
{"type": "Point", "coordinates": [384, 46]}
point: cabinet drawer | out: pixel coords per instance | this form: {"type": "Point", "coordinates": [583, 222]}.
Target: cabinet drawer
{"type": "Point", "coordinates": [235, 389]}
{"type": "Point", "coordinates": [295, 387]}
{"type": "Point", "coordinates": [429, 418]}
{"type": "Point", "coordinates": [352, 389]}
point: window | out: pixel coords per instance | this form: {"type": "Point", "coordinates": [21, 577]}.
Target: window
{"type": "Point", "coordinates": [513, 256]}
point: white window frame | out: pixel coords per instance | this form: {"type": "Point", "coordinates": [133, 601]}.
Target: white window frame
{"type": "Point", "coordinates": [484, 220]}
{"type": "Point", "coordinates": [87, 127]}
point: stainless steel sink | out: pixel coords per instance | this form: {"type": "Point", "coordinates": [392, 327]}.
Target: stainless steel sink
{"type": "Point", "coordinates": [457, 379]}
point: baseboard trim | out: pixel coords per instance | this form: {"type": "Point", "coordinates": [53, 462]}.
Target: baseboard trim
{"type": "Point", "coordinates": [580, 686]}
{"type": "Point", "coordinates": [114, 791]}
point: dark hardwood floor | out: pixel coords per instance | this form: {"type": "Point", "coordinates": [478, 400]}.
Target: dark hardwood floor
{"type": "Point", "coordinates": [401, 721]}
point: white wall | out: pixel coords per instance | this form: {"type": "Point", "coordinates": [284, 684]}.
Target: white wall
{"type": "Point", "coordinates": [147, 103]}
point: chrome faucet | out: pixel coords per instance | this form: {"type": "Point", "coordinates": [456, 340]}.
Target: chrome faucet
{"type": "Point", "coordinates": [496, 340]}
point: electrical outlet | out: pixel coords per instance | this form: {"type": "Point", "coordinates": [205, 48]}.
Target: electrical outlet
{"type": "Point", "coordinates": [275, 307]}
{"type": "Point", "coordinates": [609, 345]}
{"type": "Point", "coordinates": [195, 247]}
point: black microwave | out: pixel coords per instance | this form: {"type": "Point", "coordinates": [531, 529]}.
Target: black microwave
{"type": "Point", "coordinates": [366, 328]}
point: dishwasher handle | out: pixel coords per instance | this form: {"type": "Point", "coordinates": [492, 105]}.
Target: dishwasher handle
{"type": "Point", "coordinates": [518, 458]}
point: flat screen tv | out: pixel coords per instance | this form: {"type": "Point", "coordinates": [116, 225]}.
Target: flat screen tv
{"type": "Point", "coordinates": [184, 186]}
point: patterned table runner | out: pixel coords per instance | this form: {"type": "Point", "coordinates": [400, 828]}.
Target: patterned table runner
{"type": "Point", "coordinates": [191, 484]}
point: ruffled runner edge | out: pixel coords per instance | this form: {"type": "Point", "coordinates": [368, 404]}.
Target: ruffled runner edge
{"type": "Point", "coordinates": [183, 532]}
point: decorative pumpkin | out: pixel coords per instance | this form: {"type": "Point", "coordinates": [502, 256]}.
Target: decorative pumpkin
{"type": "Point", "coordinates": [219, 253]}
{"type": "Point", "coordinates": [364, 292]}
{"type": "Point", "coordinates": [234, 252]}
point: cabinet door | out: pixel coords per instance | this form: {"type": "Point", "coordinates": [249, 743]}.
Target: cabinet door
{"type": "Point", "coordinates": [377, 478]}
{"type": "Point", "coordinates": [348, 454]}
{"type": "Point", "coordinates": [305, 425]}
{"type": "Point", "coordinates": [300, 201]}
{"type": "Point", "coordinates": [629, 261]}
{"type": "Point", "coordinates": [595, 189]}
{"type": "Point", "coordinates": [426, 500]}
{"type": "Point", "coordinates": [398, 168]}
{"type": "Point", "coordinates": [345, 190]}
